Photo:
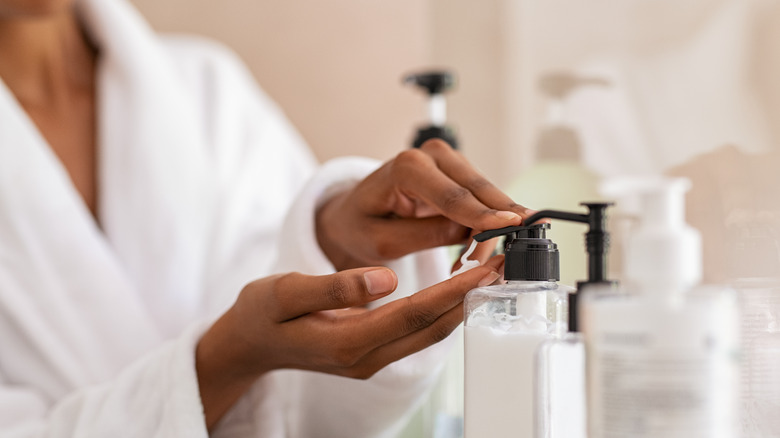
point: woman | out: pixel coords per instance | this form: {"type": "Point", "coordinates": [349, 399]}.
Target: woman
{"type": "Point", "coordinates": [144, 182]}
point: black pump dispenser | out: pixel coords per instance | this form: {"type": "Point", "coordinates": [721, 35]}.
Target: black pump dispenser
{"type": "Point", "coordinates": [435, 83]}
{"type": "Point", "coordinates": [596, 242]}
{"type": "Point", "coordinates": [530, 256]}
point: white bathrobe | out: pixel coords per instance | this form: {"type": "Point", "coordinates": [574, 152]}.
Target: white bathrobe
{"type": "Point", "coordinates": [203, 187]}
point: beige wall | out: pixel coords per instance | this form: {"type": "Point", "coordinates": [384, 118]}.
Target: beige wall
{"type": "Point", "coordinates": [334, 66]}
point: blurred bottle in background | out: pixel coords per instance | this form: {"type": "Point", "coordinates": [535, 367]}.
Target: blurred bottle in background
{"type": "Point", "coordinates": [559, 180]}
{"type": "Point", "coordinates": [756, 258]}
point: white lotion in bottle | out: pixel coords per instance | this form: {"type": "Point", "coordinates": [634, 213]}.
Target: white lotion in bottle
{"type": "Point", "coordinates": [504, 326]}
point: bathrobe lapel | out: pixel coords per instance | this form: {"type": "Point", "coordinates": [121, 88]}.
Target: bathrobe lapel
{"type": "Point", "coordinates": [157, 194]}
{"type": "Point", "coordinates": [83, 301]}
{"type": "Point", "coordinates": [63, 290]}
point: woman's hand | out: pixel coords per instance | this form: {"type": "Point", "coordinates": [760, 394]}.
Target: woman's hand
{"type": "Point", "coordinates": [319, 324]}
{"type": "Point", "coordinates": [423, 198]}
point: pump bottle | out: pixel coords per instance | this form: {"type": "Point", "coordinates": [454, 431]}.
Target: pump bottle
{"type": "Point", "coordinates": [504, 325]}
{"type": "Point", "coordinates": [558, 178]}
{"type": "Point", "coordinates": [662, 359]}
{"type": "Point", "coordinates": [553, 402]}
{"type": "Point", "coordinates": [435, 83]}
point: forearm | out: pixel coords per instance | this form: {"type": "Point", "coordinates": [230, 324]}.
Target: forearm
{"type": "Point", "coordinates": [224, 373]}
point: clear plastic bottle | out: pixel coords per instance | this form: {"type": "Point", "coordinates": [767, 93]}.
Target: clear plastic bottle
{"type": "Point", "coordinates": [504, 326]}
{"type": "Point", "coordinates": [560, 391]}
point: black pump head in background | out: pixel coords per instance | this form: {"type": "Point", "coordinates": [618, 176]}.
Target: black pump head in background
{"type": "Point", "coordinates": [435, 83]}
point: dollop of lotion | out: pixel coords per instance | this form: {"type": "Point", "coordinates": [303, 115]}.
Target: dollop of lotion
{"type": "Point", "coordinates": [465, 263]}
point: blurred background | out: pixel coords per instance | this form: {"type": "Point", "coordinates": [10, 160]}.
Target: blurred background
{"type": "Point", "coordinates": [634, 87]}
{"type": "Point", "coordinates": [676, 87]}
{"type": "Point", "coordinates": [335, 66]}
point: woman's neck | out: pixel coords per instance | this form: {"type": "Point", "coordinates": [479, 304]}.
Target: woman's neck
{"type": "Point", "coordinates": [49, 65]}
{"type": "Point", "coordinates": [45, 60]}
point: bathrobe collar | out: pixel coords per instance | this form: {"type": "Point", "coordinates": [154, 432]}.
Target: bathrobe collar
{"type": "Point", "coordinates": [60, 273]}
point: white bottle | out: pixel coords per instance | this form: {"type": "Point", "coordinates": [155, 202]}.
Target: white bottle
{"type": "Point", "coordinates": [760, 303]}
{"type": "Point", "coordinates": [504, 326]}
{"type": "Point", "coordinates": [662, 359]}
{"type": "Point", "coordinates": [755, 260]}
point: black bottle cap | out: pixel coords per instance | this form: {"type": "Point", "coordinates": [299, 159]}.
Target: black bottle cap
{"type": "Point", "coordinates": [530, 256]}
{"type": "Point", "coordinates": [444, 133]}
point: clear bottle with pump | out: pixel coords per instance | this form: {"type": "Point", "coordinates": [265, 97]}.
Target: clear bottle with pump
{"type": "Point", "coordinates": [435, 83]}
{"type": "Point", "coordinates": [558, 376]}
{"type": "Point", "coordinates": [504, 326]}
{"type": "Point", "coordinates": [558, 178]}
{"type": "Point", "coordinates": [662, 355]}
{"type": "Point", "coordinates": [561, 362]}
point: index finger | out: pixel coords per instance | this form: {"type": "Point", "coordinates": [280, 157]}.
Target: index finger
{"type": "Point", "coordinates": [418, 311]}
{"type": "Point", "coordinates": [459, 169]}
{"type": "Point", "coordinates": [445, 180]}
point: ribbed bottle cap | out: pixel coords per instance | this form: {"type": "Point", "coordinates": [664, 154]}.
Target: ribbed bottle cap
{"type": "Point", "coordinates": [530, 256]}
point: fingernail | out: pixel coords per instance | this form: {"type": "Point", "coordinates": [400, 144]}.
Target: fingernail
{"type": "Point", "coordinates": [379, 281]}
{"type": "Point", "coordinates": [489, 279]}
{"type": "Point", "coordinates": [507, 215]}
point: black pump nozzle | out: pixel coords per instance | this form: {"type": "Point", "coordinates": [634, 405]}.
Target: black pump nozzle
{"type": "Point", "coordinates": [596, 239]}
{"type": "Point", "coordinates": [533, 231]}
{"type": "Point", "coordinates": [435, 83]}
{"type": "Point", "coordinates": [596, 243]}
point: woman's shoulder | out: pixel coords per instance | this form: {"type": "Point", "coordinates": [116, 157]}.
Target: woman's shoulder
{"type": "Point", "coordinates": [201, 55]}
{"type": "Point", "coordinates": [217, 77]}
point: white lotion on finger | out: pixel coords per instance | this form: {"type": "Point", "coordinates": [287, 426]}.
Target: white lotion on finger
{"type": "Point", "coordinates": [465, 263]}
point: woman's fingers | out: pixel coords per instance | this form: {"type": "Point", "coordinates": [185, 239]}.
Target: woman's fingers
{"type": "Point", "coordinates": [483, 251]}
{"type": "Point", "coordinates": [457, 167]}
{"type": "Point", "coordinates": [444, 179]}
{"type": "Point", "coordinates": [425, 330]}
{"type": "Point", "coordinates": [294, 295]}
{"type": "Point", "coordinates": [408, 235]}
{"type": "Point", "coordinates": [313, 322]}
{"type": "Point", "coordinates": [416, 174]}
{"type": "Point", "coordinates": [386, 354]}
{"type": "Point", "coordinates": [496, 262]}
{"type": "Point", "coordinates": [416, 312]}
{"type": "Point", "coordinates": [372, 222]}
